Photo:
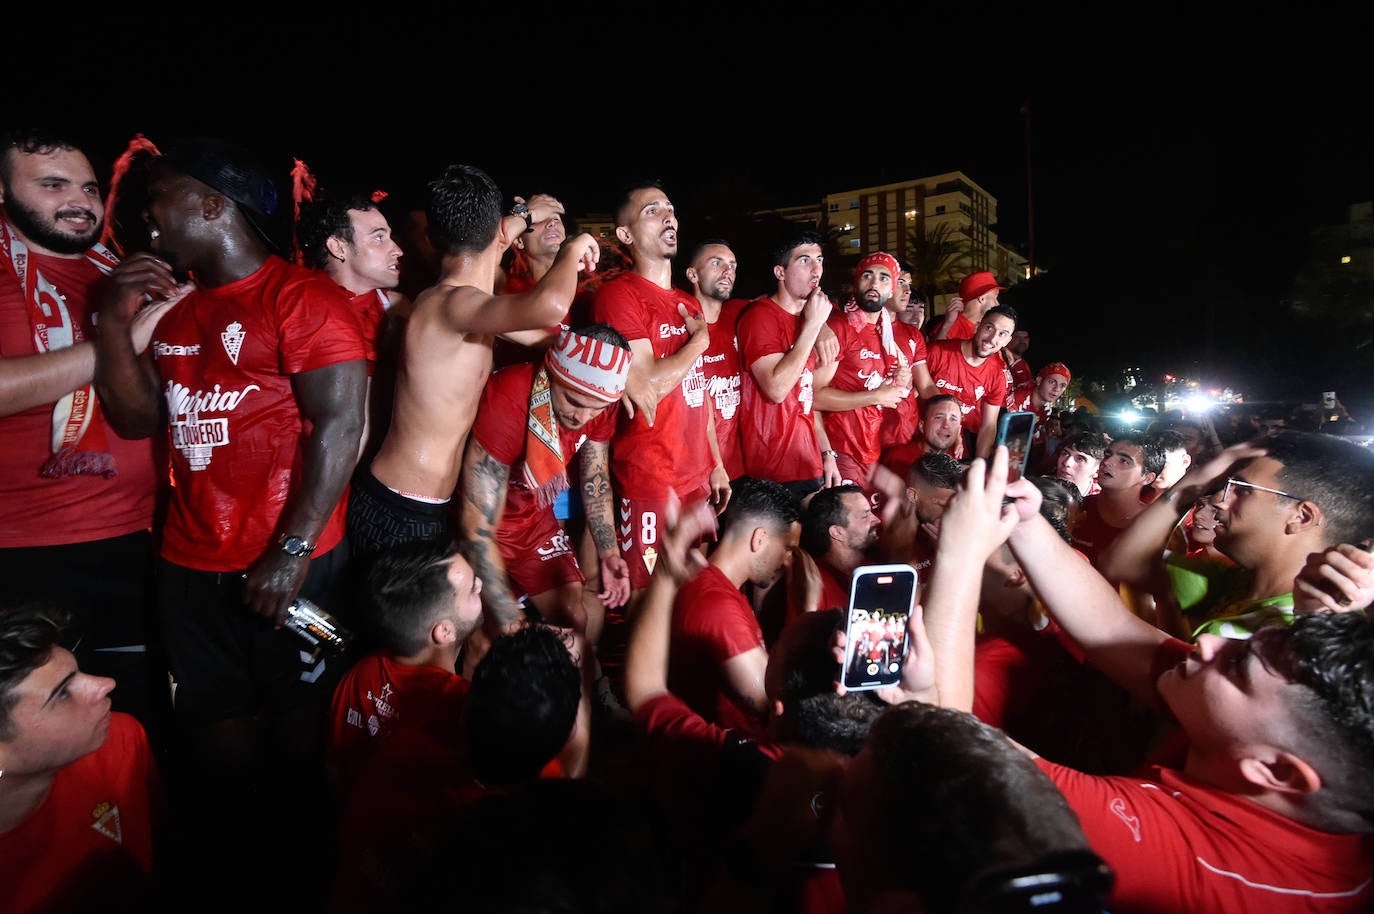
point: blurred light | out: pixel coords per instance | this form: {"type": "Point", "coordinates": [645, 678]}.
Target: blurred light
{"type": "Point", "coordinates": [1197, 404]}
{"type": "Point", "coordinates": [911, 214]}
{"type": "Point", "coordinates": [1345, 259]}
{"type": "Point", "coordinates": [1129, 415]}
{"type": "Point", "coordinates": [1168, 377]}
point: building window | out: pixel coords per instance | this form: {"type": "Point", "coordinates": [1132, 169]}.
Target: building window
{"type": "Point", "coordinates": [834, 207]}
{"type": "Point", "coordinates": [965, 209]}
{"type": "Point", "coordinates": [853, 204]}
{"type": "Point", "coordinates": [939, 209]}
{"type": "Point", "coordinates": [855, 242]}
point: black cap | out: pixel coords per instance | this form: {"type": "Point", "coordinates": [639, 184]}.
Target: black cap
{"type": "Point", "coordinates": [232, 171]}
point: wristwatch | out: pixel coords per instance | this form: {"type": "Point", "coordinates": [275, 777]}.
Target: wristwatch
{"type": "Point", "coordinates": [523, 211]}
{"type": "Point", "coordinates": [294, 546]}
{"type": "Point", "coordinates": [830, 453]}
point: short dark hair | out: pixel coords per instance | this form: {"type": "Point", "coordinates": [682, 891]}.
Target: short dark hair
{"type": "Point", "coordinates": [1059, 499]}
{"type": "Point", "coordinates": [802, 673]}
{"type": "Point", "coordinates": [1167, 439]}
{"type": "Point", "coordinates": [1335, 473]}
{"type": "Point", "coordinates": [927, 405]}
{"type": "Point", "coordinates": [1006, 311]}
{"type": "Point", "coordinates": [627, 192]}
{"type": "Point", "coordinates": [464, 210]}
{"type": "Point", "coordinates": [825, 508]}
{"type": "Point", "coordinates": [940, 470]}
{"type": "Point", "coordinates": [782, 250]}
{"type": "Point", "coordinates": [754, 501]}
{"type": "Point", "coordinates": [327, 217]}
{"type": "Point", "coordinates": [1091, 443]}
{"type": "Point", "coordinates": [603, 332]}
{"type": "Point", "coordinates": [408, 591]}
{"type": "Point", "coordinates": [1331, 656]}
{"type": "Point", "coordinates": [961, 799]}
{"type": "Point", "coordinates": [30, 141]}
{"type": "Point", "coordinates": [1151, 457]}
{"type": "Point", "coordinates": [703, 245]}
{"type": "Point", "coordinates": [28, 634]}
{"type": "Point", "coordinates": [521, 706]}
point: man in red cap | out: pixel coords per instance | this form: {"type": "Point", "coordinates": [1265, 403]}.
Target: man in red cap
{"type": "Point", "coordinates": [1039, 398]}
{"type": "Point", "coordinates": [871, 374]}
{"type": "Point", "coordinates": [977, 293]}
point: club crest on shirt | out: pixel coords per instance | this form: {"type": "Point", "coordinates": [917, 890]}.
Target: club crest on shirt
{"type": "Point", "coordinates": [650, 559]}
{"type": "Point", "coordinates": [107, 822]}
{"type": "Point", "coordinates": [232, 338]}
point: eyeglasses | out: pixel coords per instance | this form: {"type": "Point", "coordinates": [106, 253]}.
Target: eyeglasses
{"type": "Point", "coordinates": [1233, 481]}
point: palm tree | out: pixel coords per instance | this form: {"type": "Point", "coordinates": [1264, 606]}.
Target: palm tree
{"type": "Point", "coordinates": [937, 260]}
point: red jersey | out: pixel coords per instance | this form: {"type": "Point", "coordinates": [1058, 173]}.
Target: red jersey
{"type": "Point", "coordinates": [1019, 372]}
{"type": "Point", "coordinates": [862, 365]}
{"type": "Point", "coordinates": [97, 819]}
{"type": "Point", "coordinates": [1177, 844]}
{"type": "Point", "coordinates": [973, 385]}
{"type": "Point", "coordinates": [378, 694]}
{"type": "Point", "coordinates": [721, 366]}
{"type": "Point", "coordinates": [36, 511]}
{"type": "Point", "coordinates": [963, 329]}
{"type": "Point", "coordinates": [1091, 534]}
{"type": "Point", "coordinates": [226, 357]}
{"type": "Point", "coordinates": [712, 622]}
{"type": "Point", "coordinates": [500, 426]}
{"type": "Point", "coordinates": [371, 310]}
{"type": "Point", "coordinates": [673, 453]}
{"type": "Point", "coordinates": [900, 424]}
{"type": "Point", "coordinates": [778, 439]}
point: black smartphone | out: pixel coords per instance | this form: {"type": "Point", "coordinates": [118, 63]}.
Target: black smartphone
{"type": "Point", "coordinates": [1015, 430]}
{"type": "Point", "coordinates": [881, 598]}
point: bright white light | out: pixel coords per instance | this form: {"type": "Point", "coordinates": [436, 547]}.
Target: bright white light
{"type": "Point", "coordinates": [1197, 403]}
{"type": "Point", "coordinates": [1129, 415]}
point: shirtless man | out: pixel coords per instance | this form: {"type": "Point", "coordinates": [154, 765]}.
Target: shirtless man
{"type": "Point", "coordinates": [446, 355]}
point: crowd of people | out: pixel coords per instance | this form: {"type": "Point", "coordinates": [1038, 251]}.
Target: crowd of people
{"type": "Point", "coordinates": [309, 579]}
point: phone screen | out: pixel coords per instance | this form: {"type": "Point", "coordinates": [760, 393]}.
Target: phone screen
{"type": "Point", "coordinates": [880, 601]}
{"type": "Point", "coordinates": [1016, 431]}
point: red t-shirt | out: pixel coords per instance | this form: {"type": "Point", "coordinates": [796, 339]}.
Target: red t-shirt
{"type": "Point", "coordinates": [35, 511]}
{"type": "Point", "coordinates": [98, 818]}
{"type": "Point", "coordinates": [371, 310]}
{"type": "Point", "coordinates": [899, 425]}
{"type": "Point", "coordinates": [862, 365]}
{"type": "Point", "coordinates": [1091, 534]}
{"type": "Point", "coordinates": [377, 695]}
{"type": "Point", "coordinates": [963, 329]}
{"type": "Point", "coordinates": [712, 622]}
{"type": "Point", "coordinates": [973, 385]}
{"type": "Point", "coordinates": [226, 357]}
{"type": "Point", "coordinates": [721, 366]}
{"type": "Point", "coordinates": [1019, 372]}
{"type": "Point", "coordinates": [673, 453]}
{"type": "Point", "coordinates": [500, 426]}
{"type": "Point", "coordinates": [1176, 844]}
{"type": "Point", "coordinates": [778, 439]}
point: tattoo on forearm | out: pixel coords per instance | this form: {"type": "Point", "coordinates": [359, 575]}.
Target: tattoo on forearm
{"type": "Point", "coordinates": [484, 499]}
{"type": "Point", "coordinates": [597, 500]}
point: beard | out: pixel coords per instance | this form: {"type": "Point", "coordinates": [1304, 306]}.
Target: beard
{"type": "Point", "coordinates": [43, 231]}
{"type": "Point", "coordinates": [872, 307]}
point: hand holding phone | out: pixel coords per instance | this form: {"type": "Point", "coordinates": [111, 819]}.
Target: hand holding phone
{"type": "Point", "coordinates": [1016, 430]}
{"type": "Point", "coordinates": [881, 598]}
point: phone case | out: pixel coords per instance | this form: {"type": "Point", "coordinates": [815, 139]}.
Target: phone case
{"type": "Point", "coordinates": [875, 627]}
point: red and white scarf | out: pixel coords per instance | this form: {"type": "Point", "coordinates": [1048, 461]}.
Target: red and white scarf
{"type": "Point", "coordinates": [592, 368]}
{"type": "Point", "coordinates": [78, 443]}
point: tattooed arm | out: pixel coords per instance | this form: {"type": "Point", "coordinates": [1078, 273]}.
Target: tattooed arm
{"type": "Point", "coordinates": [483, 485]}
{"type": "Point", "coordinates": [598, 505]}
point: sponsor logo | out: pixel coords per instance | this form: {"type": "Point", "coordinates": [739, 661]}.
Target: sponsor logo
{"type": "Point", "coordinates": [719, 357]}
{"type": "Point", "coordinates": [869, 354]}
{"type": "Point", "coordinates": [161, 349]}
{"type": "Point", "coordinates": [667, 330]}
{"type": "Point", "coordinates": [559, 544]}
{"type": "Point", "coordinates": [945, 385]}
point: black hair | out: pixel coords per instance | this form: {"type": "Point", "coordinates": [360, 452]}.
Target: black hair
{"type": "Point", "coordinates": [754, 501]}
{"type": "Point", "coordinates": [926, 405]}
{"type": "Point", "coordinates": [627, 192]}
{"type": "Point", "coordinates": [703, 245]}
{"type": "Point", "coordinates": [782, 250]}
{"type": "Point", "coordinates": [521, 706]}
{"type": "Point", "coordinates": [824, 509]}
{"type": "Point", "coordinates": [28, 634]}
{"type": "Point", "coordinates": [408, 590]}
{"type": "Point", "coordinates": [1151, 456]}
{"type": "Point", "coordinates": [940, 470]}
{"type": "Point", "coordinates": [1059, 499]}
{"type": "Point", "coordinates": [327, 217]}
{"type": "Point", "coordinates": [1336, 474]}
{"type": "Point", "coordinates": [959, 799]}
{"type": "Point", "coordinates": [1086, 442]}
{"type": "Point", "coordinates": [31, 141]}
{"type": "Point", "coordinates": [464, 210]}
{"type": "Point", "coordinates": [1331, 656]}
{"type": "Point", "coordinates": [603, 332]}
{"type": "Point", "coordinates": [1006, 311]}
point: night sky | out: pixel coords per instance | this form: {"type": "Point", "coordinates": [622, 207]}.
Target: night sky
{"type": "Point", "coordinates": [1176, 167]}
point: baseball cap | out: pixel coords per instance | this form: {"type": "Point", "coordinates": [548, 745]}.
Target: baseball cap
{"type": "Point", "coordinates": [1055, 368]}
{"type": "Point", "coordinates": [976, 284]}
{"type": "Point", "coordinates": [232, 171]}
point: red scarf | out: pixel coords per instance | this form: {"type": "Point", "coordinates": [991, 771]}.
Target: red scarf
{"type": "Point", "coordinates": [78, 443]}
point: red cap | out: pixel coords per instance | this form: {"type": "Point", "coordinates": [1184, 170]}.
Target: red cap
{"type": "Point", "coordinates": [976, 284]}
{"type": "Point", "coordinates": [1055, 368]}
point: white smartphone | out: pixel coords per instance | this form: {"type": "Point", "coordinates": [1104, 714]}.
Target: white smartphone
{"type": "Point", "coordinates": [881, 598]}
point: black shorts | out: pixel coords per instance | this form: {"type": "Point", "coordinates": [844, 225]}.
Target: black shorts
{"type": "Point", "coordinates": [227, 661]}
{"type": "Point", "coordinates": [379, 518]}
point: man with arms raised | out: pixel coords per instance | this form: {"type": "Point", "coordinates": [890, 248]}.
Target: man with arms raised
{"type": "Point", "coordinates": [446, 357]}
{"type": "Point", "coordinates": [1272, 806]}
